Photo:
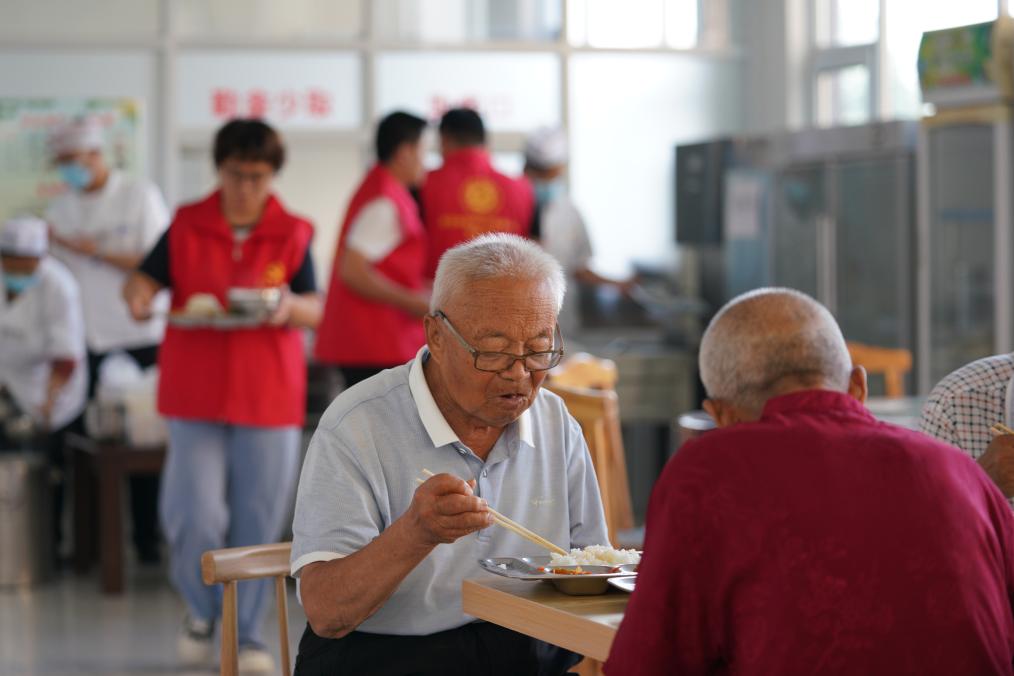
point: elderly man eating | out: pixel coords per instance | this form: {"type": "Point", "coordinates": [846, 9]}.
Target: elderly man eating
{"type": "Point", "coordinates": [805, 537]}
{"type": "Point", "coordinates": [381, 558]}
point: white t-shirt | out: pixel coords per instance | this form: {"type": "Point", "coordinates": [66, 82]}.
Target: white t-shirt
{"type": "Point", "coordinates": [40, 325]}
{"type": "Point", "coordinates": [376, 231]}
{"type": "Point", "coordinates": [127, 216]}
{"type": "Point", "coordinates": [565, 236]}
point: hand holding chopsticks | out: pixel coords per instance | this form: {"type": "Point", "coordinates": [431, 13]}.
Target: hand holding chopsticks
{"type": "Point", "coordinates": [999, 428]}
{"type": "Point", "coordinates": [502, 521]}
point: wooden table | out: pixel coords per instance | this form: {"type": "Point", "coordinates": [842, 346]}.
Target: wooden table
{"type": "Point", "coordinates": [100, 468]}
{"type": "Point", "coordinates": [583, 624]}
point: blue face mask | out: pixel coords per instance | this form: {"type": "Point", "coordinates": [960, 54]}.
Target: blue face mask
{"type": "Point", "coordinates": [19, 283]}
{"type": "Point", "coordinates": [548, 191]}
{"type": "Point", "coordinates": [75, 175]}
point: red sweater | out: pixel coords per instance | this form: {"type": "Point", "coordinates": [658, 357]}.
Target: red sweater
{"type": "Point", "coordinates": [820, 541]}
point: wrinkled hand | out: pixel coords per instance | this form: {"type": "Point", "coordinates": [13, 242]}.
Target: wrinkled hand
{"type": "Point", "coordinates": [445, 508]}
{"type": "Point", "coordinates": [998, 462]}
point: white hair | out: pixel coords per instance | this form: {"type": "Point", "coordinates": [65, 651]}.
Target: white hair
{"type": "Point", "coordinates": [495, 256]}
{"type": "Point", "coordinates": [760, 338]}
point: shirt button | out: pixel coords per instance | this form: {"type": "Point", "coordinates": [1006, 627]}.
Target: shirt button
{"type": "Point", "coordinates": [485, 473]}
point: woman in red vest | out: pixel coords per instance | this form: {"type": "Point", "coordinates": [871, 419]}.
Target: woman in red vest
{"type": "Point", "coordinates": [377, 295]}
{"type": "Point", "coordinates": [234, 398]}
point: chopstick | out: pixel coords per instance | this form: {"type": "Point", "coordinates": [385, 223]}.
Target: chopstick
{"type": "Point", "coordinates": [999, 429]}
{"type": "Point", "coordinates": [513, 526]}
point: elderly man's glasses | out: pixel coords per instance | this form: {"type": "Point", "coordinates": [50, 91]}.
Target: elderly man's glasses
{"type": "Point", "coordinates": [498, 362]}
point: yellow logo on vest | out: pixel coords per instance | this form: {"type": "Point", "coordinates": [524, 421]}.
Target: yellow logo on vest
{"type": "Point", "coordinates": [274, 274]}
{"type": "Point", "coordinates": [481, 196]}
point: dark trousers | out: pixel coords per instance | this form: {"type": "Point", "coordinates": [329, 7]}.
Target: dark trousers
{"type": "Point", "coordinates": [476, 649]}
{"type": "Point", "coordinates": [144, 488]}
{"type": "Point", "coordinates": [357, 374]}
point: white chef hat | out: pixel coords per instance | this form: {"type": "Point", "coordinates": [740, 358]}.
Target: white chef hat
{"type": "Point", "coordinates": [75, 136]}
{"type": "Point", "coordinates": [546, 148]}
{"type": "Point", "coordinates": [24, 236]}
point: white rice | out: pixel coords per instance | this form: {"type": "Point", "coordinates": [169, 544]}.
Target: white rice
{"type": "Point", "coordinates": [596, 555]}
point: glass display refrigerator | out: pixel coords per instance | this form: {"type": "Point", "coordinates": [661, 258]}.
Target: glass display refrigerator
{"type": "Point", "coordinates": [965, 187]}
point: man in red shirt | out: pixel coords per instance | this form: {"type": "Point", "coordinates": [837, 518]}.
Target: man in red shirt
{"type": "Point", "coordinates": [377, 297]}
{"type": "Point", "coordinates": [467, 197]}
{"type": "Point", "coordinates": [805, 537]}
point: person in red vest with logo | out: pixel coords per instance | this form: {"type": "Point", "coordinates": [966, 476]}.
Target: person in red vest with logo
{"type": "Point", "coordinates": [234, 396]}
{"type": "Point", "coordinates": [377, 297]}
{"type": "Point", "coordinates": [467, 197]}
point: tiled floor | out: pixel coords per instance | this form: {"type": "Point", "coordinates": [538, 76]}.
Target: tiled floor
{"type": "Point", "coordinates": [68, 627]}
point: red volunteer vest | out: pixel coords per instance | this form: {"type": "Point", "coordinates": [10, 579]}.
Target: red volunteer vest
{"type": "Point", "coordinates": [467, 197]}
{"type": "Point", "coordinates": [356, 331]}
{"type": "Point", "coordinates": [253, 377]}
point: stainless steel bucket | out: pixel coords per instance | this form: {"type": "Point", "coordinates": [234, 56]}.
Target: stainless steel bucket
{"type": "Point", "coordinates": [26, 555]}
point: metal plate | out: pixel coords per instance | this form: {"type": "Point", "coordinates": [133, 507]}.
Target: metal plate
{"type": "Point", "coordinates": [625, 583]}
{"type": "Point", "coordinates": [528, 568]}
{"type": "Point", "coordinates": [226, 322]}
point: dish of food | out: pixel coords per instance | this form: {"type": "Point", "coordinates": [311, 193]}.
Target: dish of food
{"type": "Point", "coordinates": [203, 305]}
{"type": "Point", "coordinates": [597, 555]}
{"type": "Point", "coordinates": [576, 580]}
{"type": "Point", "coordinates": [203, 311]}
{"type": "Point", "coordinates": [259, 302]}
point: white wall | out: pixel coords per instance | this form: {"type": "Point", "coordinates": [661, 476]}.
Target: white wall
{"type": "Point", "coordinates": [627, 114]}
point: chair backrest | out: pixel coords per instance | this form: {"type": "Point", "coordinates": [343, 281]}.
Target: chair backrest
{"type": "Point", "coordinates": [891, 363]}
{"type": "Point", "coordinates": [585, 371]}
{"type": "Point", "coordinates": [598, 413]}
{"type": "Point", "coordinates": [227, 567]}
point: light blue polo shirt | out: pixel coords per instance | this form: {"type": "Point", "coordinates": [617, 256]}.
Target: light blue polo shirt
{"type": "Point", "coordinates": [360, 475]}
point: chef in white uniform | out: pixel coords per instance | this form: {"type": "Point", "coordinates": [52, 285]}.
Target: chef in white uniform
{"type": "Point", "coordinates": [42, 344]}
{"type": "Point", "coordinates": [101, 229]}
{"type": "Point", "coordinates": [558, 224]}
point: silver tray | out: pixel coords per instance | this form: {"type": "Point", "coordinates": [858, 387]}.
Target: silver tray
{"type": "Point", "coordinates": [528, 568]}
{"type": "Point", "coordinates": [623, 583]}
{"type": "Point", "coordinates": [226, 322]}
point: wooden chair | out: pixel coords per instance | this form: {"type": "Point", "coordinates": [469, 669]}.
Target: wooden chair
{"type": "Point", "coordinates": [598, 413]}
{"type": "Point", "coordinates": [582, 370]}
{"type": "Point", "coordinates": [890, 363]}
{"type": "Point", "coordinates": [227, 567]}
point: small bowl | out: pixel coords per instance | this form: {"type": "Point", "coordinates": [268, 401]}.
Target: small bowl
{"type": "Point", "coordinates": [252, 301]}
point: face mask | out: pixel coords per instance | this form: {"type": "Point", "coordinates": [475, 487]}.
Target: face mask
{"type": "Point", "coordinates": [75, 175]}
{"type": "Point", "coordinates": [19, 283]}
{"type": "Point", "coordinates": [548, 191]}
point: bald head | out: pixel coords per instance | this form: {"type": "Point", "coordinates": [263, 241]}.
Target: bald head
{"type": "Point", "coordinates": [769, 341]}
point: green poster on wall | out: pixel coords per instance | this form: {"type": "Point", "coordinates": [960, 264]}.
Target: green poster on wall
{"type": "Point", "coordinates": [28, 179]}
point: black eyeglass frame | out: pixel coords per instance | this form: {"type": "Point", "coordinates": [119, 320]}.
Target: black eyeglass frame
{"type": "Point", "coordinates": [556, 356]}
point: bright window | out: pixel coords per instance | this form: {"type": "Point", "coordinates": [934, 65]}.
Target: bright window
{"type": "Point", "coordinates": [634, 23]}
{"type": "Point", "coordinates": [906, 21]}
{"type": "Point", "coordinates": [843, 96]}
{"type": "Point", "coordinates": [845, 23]}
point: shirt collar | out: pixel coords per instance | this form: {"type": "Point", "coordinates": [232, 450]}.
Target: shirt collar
{"type": "Point", "coordinates": [474, 157]}
{"type": "Point", "coordinates": [815, 401]}
{"type": "Point", "coordinates": [433, 420]}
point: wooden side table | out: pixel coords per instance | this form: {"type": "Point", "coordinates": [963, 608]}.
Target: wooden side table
{"type": "Point", "coordinates": [101, 467]}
